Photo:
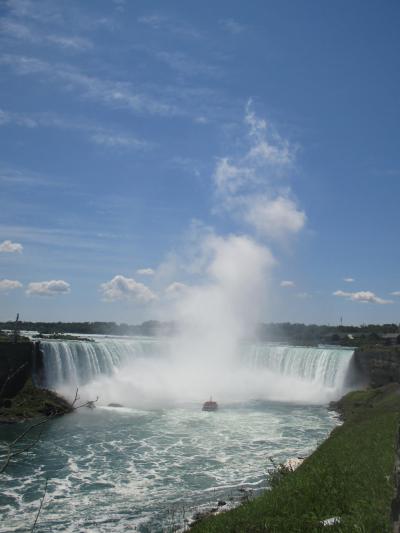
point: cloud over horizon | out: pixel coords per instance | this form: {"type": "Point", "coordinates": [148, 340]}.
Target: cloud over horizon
{"type": "Point", "coordinates": [48, 288]}
{"type": "Point", "coordinates": [363, 297]}
{"type": "Point", "coordinates": [122, 288]}
{"type": "Point", "coordinates": [7, 285]}
{"type": "Point", "coordinates": [287, 283]}
{"type": "Point", "coordinates": [145, 272]}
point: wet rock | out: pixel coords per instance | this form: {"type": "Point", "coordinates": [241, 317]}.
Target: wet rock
{"type": "Point", "coordinates": [380, 364]}
{"type": "Point", "coordinates": [115, 405]}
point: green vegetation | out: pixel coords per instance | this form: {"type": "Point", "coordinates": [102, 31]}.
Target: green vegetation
{"type": "Point", "coordinates": [350, 475]}
{"type": "Point", "coordinates": [313, 334]}
{"type": "Point", "coordinates": [62, 337]}
{"type": "Point", "coordinates": [5, 337]}
{"type": "Point", "coordinates": [32, 402]}
{"type": "Point", "coordinates": [150, 327]}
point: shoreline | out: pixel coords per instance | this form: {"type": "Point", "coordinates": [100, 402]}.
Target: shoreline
{"type": "Point", "coordinates": [352, 480]}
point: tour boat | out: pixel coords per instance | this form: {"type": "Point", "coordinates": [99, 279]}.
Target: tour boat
{"type": "Point", "coordinates": [210, 405]}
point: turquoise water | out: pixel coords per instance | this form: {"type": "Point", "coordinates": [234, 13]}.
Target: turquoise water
{"type": "Point", "coordinates": [111, 469]}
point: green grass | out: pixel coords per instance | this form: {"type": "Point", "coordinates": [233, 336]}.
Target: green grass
{"type": "Point", "coordinates": [350, 475]}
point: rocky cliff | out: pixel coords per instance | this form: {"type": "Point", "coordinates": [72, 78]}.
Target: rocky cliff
{"type": "Point", "coordinates": [379, 365]}
{"type": "Point", "coordinates": [16, 365]}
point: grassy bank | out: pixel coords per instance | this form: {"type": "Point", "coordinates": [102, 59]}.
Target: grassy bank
{"type": "Point", "coordinates": [351, 476]}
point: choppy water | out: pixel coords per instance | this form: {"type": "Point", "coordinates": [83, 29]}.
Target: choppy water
{"type": "Point", "coordinates": [116, 469]}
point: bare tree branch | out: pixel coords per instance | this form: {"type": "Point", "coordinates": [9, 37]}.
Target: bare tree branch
{"type": "Point", "coordinates": [40, 506]}
{"type": "Point", "coordinates": [11, 447]}
{"type": "Point", "coordinates": [76, 398]}
{"type": "Point", "coordinates": [89, 403]}
{"type": "Point", "coordinates": [11, 452]}
{"type": "Point", "coordinates": [10, 377]}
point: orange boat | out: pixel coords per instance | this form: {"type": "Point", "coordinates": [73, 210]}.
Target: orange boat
{"type": "Point", "coordinates": [210, 405]}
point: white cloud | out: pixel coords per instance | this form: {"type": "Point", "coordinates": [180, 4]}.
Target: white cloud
{"type": "Point", "coordinates": [176, 289]}
{"type": "Point", "coordinates": [229, 178]}
{"type": "Point", "coordinates": [72, 42]}
{"type": "Point", "coordinates": [122, 288]}
{"type": "Point", "coordinates": [274, 218]}
{"type": "Point", "coordinates": [38, 11]}
{"type": "Point", "coordinates": [362, 296]}
{"type": "Point", "coordinates": [145, 271]}
{"type": "Point", "coordinates": [23, 32]}
{"type": "Point", "coordinates": [48, 288]}
{"type": "Point", "coordinates": [7, 285]}
{"type": "Point", "coordinates": [349, 280]}
{"type": "Point", "coordinates": [18, 119]}
{"type": "Point", "coordinates": [267, 145]}
{"type": "Point", "coordinates": [232, 26]}
{"type": "Point", "coordinates": [95, 132]}
{"type": "Point", "coordinates": [178, 27]}
{"type": "Point", "coordinates": [16, 30]}
{"type": "Point", "coordinates": [396, 293]}
{"type": "Point", "coordinates": [115, 94]}
{"type": "Point", "coordinates": [117, 140]}
{"type": "Point", "coordinates": [11, 247]}
{"type": "Point", "coordinates": [250, 187]}
{"type": "Point", "coordinates": [287, 283]}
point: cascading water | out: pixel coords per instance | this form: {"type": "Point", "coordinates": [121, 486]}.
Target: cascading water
{"type": "Point", "coordinates": [138, 371]}
{"type": "Point", "coordinates": [79, 362]}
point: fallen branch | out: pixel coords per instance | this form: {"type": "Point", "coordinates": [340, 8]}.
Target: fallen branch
{"type": "Point", "coordinates": [11, 450]}
{"type": "Point", "coordinates": [40, 506]}
{"type": "Point", "coordinates": [89, 403]}
{"type": "Point", "coordinates": [10, 447]}
{"type": "Point", "coordinates": [10, 377]}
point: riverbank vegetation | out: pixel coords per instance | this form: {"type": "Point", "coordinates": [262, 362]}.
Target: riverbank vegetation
{"type": "Point", "coordinates": [350, 477]}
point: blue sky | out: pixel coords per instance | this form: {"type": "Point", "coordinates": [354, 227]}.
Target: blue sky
{"type": "Point", "coordinates": [129, 128]}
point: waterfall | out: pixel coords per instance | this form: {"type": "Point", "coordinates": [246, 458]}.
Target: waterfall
{"type": "Point", "coordinates": [151, 371]}
{"type": "Point", "coordinates": [79, 362]}
{"type": "Point", "coordinates": [322, 366]}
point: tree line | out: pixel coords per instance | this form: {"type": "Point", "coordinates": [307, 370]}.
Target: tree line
{"type": "Point", "coordinates": [274, 332]}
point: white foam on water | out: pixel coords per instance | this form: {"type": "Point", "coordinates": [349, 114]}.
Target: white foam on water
{"type": "Point", "coordinates": [110, 472]}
